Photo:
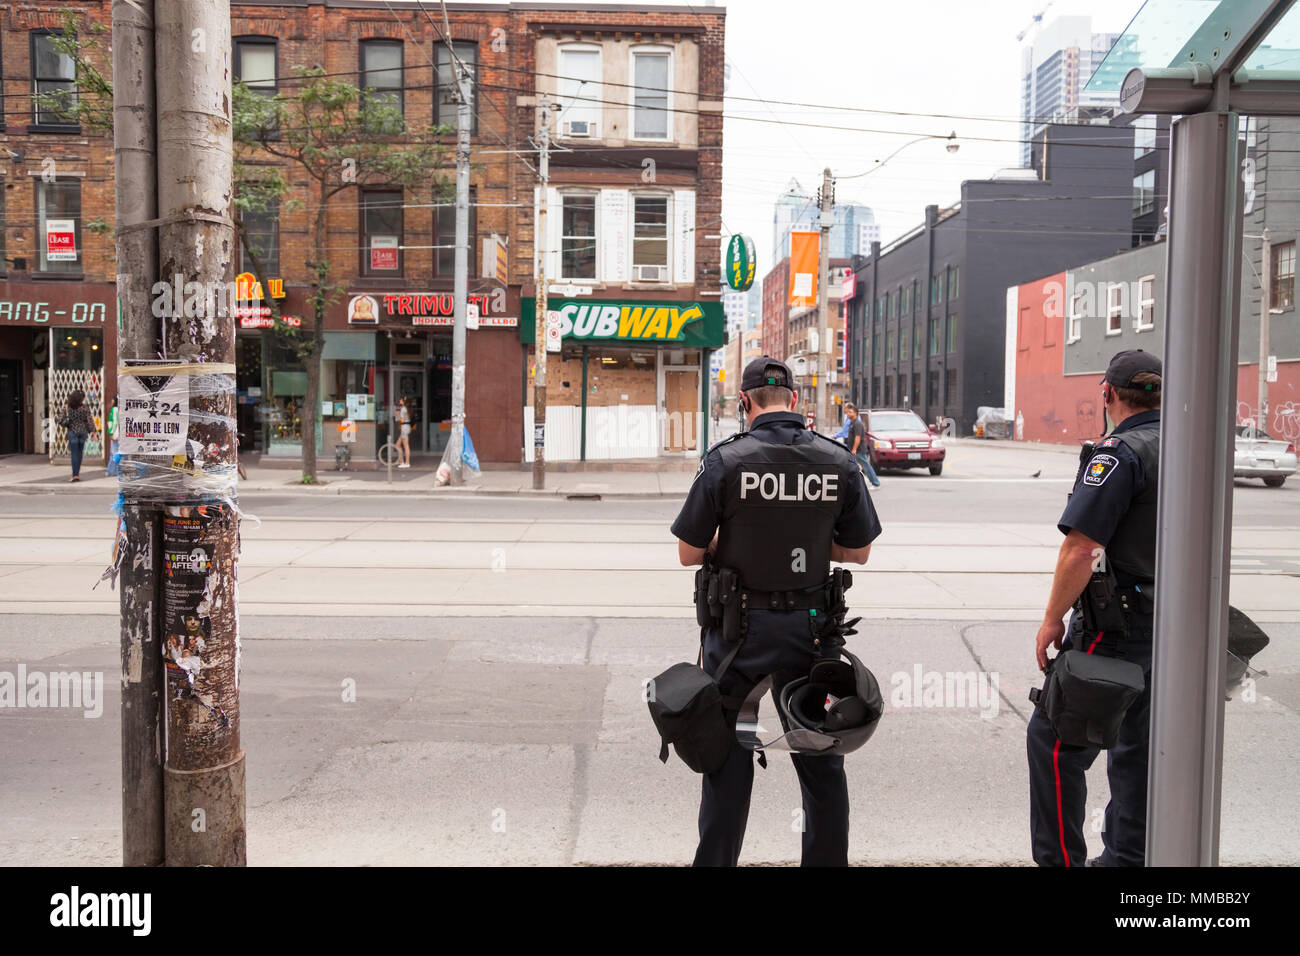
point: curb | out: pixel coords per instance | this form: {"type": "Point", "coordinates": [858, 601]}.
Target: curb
{"type": "Point", "coordinates": [308, 491]}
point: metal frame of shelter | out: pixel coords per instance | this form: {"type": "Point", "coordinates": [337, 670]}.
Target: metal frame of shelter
{"type": "Point", "coordinates": [1209, 83]}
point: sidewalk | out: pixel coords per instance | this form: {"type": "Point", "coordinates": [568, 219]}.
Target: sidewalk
{"type": "Point", "coordinates": [34, 475]}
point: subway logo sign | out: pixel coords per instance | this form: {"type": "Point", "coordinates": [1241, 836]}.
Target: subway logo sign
{"type": "Point", "coordinates": [643, 322]}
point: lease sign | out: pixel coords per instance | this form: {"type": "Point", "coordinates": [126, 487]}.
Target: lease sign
{"type": "Point", "coordinates": [60, 240]}
{"type": "Point", "coordinates": [383, 253]}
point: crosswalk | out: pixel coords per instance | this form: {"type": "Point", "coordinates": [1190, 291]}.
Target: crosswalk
{"type": "Point", "coordinates": [1270, 562]}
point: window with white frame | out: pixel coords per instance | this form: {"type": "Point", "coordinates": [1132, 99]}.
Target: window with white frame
{"type": "Point", "coordinates": [1146, 305]}
{"type": "Point", "coordinates": [578, 236]}
{"type": "Point", "coordinates": [578, 88]}
{"type": "Point", "coordinates": [1115, 308]}
{"type": "Point", "coordinates": [650, 262]}
{"type": "Point", "coordinates": [1075, 319]}
{"type": "Point", "coordinates": [651, 69]}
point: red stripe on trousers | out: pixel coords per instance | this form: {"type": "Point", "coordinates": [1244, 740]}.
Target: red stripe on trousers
{"type": "Point", "coordinates": [1060, 819]}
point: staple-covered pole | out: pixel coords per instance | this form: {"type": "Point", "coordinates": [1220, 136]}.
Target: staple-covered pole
{"type": "Point", "coordinates": [461, 280]}
{"type": "Point", "coordinates": [539, 340]}
{"type": "Point", "coordinates": [204, 778]}
{"type": "Point", "coordinates": [135, 174]}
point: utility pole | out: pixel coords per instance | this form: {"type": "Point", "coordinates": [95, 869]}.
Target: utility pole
{"type": "Point", "coordinates": [136, 247]}
{"type": "Point", "coordinates": [461, 282]}
{"type": "Point", "coordinates": [204, 800]}
{"type": "Point", "coordinates": [539, 344]}
{"type": "Point", "coordinates": [1265, 304]}
{"type": "Point", "coordinates": [825, 343]}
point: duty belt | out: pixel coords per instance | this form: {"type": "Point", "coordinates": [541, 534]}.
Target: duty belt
{"type": "Point", "coordinates": [1137, 599]}
{"type": "Point", "coordinates": [784, 600]}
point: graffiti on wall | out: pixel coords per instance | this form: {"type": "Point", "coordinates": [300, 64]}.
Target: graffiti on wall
{"type": "Point", "coordinates": [1284, 419]}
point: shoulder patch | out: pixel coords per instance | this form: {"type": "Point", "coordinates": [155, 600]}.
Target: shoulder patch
{"type": "Point", "coordinates": [729, 438]}
{"type": "Point", "coordinates": [1099, 469]}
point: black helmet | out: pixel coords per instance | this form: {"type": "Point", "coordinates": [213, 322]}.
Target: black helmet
{"type": "Point", "coordinates": [831, 712]}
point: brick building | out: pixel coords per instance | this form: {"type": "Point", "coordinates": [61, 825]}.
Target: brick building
{"type": "Point", "coordinates": [648, 162]}
{"type": "Point", "coordinates": [57, 306]}
{"type": "Point", "coordinates": [787, 332]}
{"type": "Point", "coordinates": [775, 318]}
{"type": "Point", "coordinates": [635, 203]}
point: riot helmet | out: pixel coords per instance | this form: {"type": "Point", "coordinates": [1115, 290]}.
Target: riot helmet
{"type": "Point", "coordinates": [831, 712]}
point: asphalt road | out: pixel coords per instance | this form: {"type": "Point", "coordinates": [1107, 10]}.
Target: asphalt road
{"type": "Point", "coordinates": [498, 648]}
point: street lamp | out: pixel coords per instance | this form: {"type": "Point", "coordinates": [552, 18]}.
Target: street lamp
{"type": "Point", "coordinates": [952, 145]}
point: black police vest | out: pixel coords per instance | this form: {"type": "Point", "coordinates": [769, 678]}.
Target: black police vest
{"type": "Point", "coordinates": [779, 509]}
{"type": "Point", "coordinates": [1132, 549]}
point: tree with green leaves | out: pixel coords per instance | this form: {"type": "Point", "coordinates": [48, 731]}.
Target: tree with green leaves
{"type": "Point", "coordinates": [338, 135]}
{"type": "Point", "coordinates": [342, 139]}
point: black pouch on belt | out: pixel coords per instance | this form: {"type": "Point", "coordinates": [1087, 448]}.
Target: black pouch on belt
{"type": "Point", "coordinates": [1086, 697]}
{"type": "Point", "coordinates": [706, 589]}
{"type": "Point", "coordinates": [1100, 605]}
{"type": "Point", "coordinates": [733, 609]}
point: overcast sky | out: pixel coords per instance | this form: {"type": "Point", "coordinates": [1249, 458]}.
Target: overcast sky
{"type": "Point", "coordinates": [955, 57]}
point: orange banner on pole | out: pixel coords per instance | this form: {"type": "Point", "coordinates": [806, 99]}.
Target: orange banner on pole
{"type": "Point", "coordinates": [804, 253]}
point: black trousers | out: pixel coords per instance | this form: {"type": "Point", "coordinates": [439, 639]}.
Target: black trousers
{"type": "Point", "coordinates": [1058, 790]}
{"type": "Point", "coordinates": [778, 643]}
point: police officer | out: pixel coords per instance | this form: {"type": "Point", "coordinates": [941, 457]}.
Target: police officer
{"type": "Point", "coordinates": [784, 503]}
{"type": "Point", "coordinates": [1110, 520]}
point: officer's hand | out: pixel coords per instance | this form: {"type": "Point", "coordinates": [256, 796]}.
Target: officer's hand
{"type": "Point", "coordinates": [1051, 632]}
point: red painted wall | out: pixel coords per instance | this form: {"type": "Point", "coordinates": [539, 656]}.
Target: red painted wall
{"type": "Point", "coordinates": [1283, 399]}
{"type": "Point", "coordinates": [1066, 409]}
{"type": "Point", "coordinates": [1056, 407]}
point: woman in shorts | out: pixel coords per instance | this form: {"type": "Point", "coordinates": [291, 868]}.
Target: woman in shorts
{"type": "Point", "coordinates": [404, 435]}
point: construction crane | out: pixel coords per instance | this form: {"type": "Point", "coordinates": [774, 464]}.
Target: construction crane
{"type": "Point", "coordinates": [1035, 22]}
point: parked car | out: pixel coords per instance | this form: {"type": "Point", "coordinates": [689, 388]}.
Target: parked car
{"type": "Point", "coordinates": [897, 438]}
{"type": "Point", "coordinates": [1258, 456]}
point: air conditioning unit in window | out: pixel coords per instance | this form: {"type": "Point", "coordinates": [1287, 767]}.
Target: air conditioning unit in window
{"type": "Point", "coordinates": [580, 129]}
{"type": "Point", "coordinates": [650, 273]}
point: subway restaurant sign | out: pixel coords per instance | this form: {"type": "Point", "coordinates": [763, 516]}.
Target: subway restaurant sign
{"type": "Point", "coordinates": [644, 322]}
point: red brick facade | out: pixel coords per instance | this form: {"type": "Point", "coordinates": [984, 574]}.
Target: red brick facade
{"type": "Point", "coordinates": [776, 310]}
{"type": "Point", "coordinates": [329, 33]}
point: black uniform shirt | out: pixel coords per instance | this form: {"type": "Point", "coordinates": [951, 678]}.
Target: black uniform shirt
{"type": "Point", "coordinates": [1113, 477]}
{"type": "Point", "coordinates": [701, 513]}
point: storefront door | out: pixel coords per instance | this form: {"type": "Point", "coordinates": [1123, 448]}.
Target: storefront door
{"type": "Point", "coordinates": [681, 402]}
{"type": "Point", "coordinates": [410, 384]}
{"type": "Point", "coordinates": [11, 406]}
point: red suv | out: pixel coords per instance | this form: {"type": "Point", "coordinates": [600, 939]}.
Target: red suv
{"type": "Point", "coordinates": [897, 438]}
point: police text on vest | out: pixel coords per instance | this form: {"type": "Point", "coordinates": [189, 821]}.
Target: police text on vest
{"type": "Point", "coordinates": [782, 487]}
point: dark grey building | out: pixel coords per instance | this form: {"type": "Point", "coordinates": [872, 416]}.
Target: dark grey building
{"type": "Point", "coordinates": [928, 321]}
{"type": "Point", "coordinates": [1114, 304]}
{"type": "Point", "coordinates": [1272, 201]}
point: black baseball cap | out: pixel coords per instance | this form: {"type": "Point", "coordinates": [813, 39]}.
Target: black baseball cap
{"type": "Point", "coordinates": [764, 371]}
{"type": "Point", "coordinates": [1124, 365]}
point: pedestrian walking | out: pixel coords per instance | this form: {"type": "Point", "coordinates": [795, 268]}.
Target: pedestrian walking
{"type": "Point", "coordinates": [1106, 569]}
{"type": "Point", "coordinates": [80, 426]}
{"type": "Point", "coordinates": [768, 512]}
{"type": "Point", "coordinates": [404, 435]}
{"type": "Point", "coordinates": [857, 442]}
